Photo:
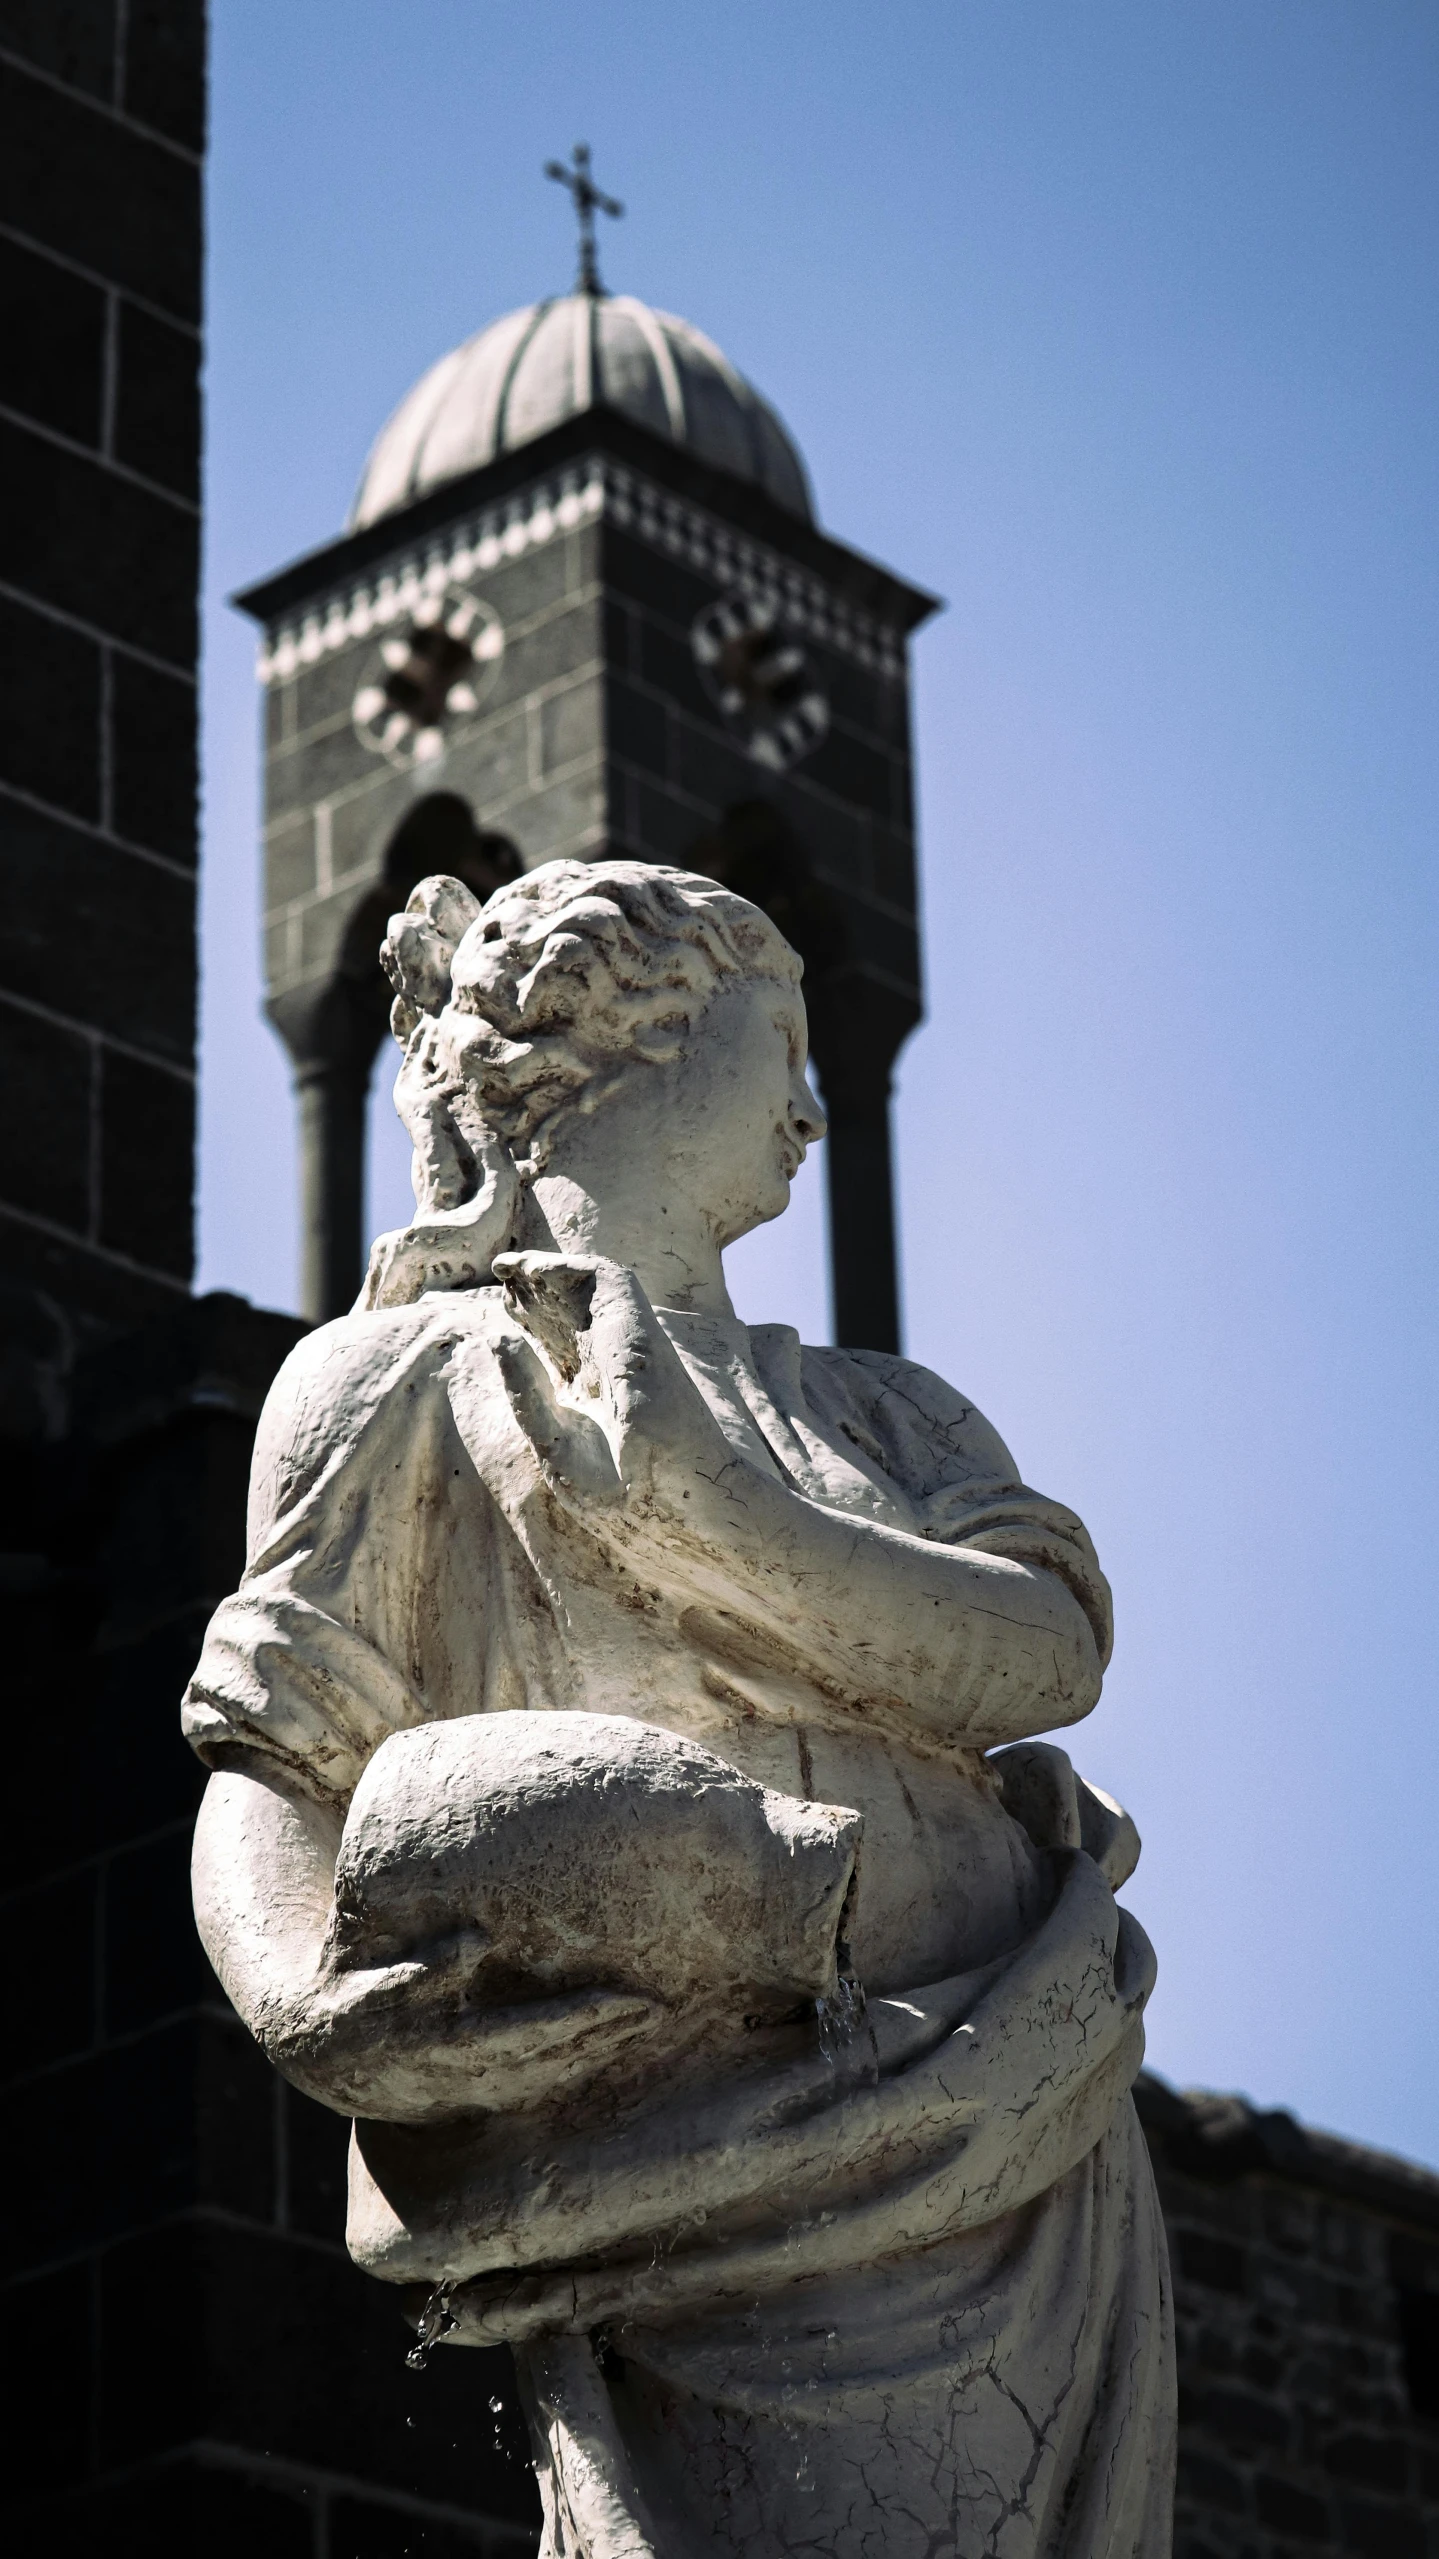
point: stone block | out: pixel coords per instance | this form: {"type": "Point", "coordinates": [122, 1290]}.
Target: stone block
{"type": "Point", "coordinates": [637, 727]}
{"type": "Point", "coordinates": [153, 758]}
{"type": "Point", "coordinates": [1374, 2531]}
{"type": "Point", "coordinates": [277, 714]}
{"type": "Point", "coordinates": [836, 837]}
{"type": "Point", "coordinates": [87, 927]}
{"type": "Point", "coordinates": [1237, 2418]}
{"type": "Point", "coordinates": [147, 1148]}
{"type": "Point", "coordinates": [363, 2529]}
{"type": "Point", "coordinates": [1216, 2263]}
{"type": "Point", "coordinates": [661, 826]}
{"type": "Point", "coordinates": [876, 706]}
{"type": "Point", "coordinates": [72, 40]}
{"type": "Point", "coordinates": [52, 344]}
{"type": "Point", "coordinates": [251, 2372]}
{"type": "Point", "coordinates": [883, 946]}
{"type": "Point", "coordinates": [290, 859]}
{"type": "Point", "coordinates": [1293, 2511]}
{"type": "Point", "coordinates": [115, 556]}
{"type": "Point", "coordinates": [553, 574]}
{"type": "Point", "coordinates": [564, 644]}
{"type": "Point", "coordinates": [236, 2119]}
{"type": "Point", "coordinates": [1205, 2481]}
{"type": "Point", "coordinates": [137, 1772]}
{"type": "Point", "coordinates": [1418, 2318]}
{"type": "Point", "coordinates": [1367, 2460]}
{"type": "Point", "coordinates": [52, 2008]}
{"type": "Point", "coordinates": [571, 725]}
{"type": "Point", "coordinates": [165, 68]}
{"type": "Point", "coordinates": [97, 1296]}
{"type": "Point", "coordinates": [324, 693]}
{"type": "Point", "coordinates": [491, 768]}
{"type": "Point", "coordinates": [665, 662]}
{"type": "Point", "coordinates": [157, 401]}
{"type": "Point", "coordinates": [49, 2385]}
{"type": "Point", "coordinates": [154, 1964]}
{"type": "Point", "coordinates": [49, 710]}
{"type": "Point", "coordinates": [364, 821]}
{"type": "Point", "coordinates": [567, 818]}
{"type": "Point", "coordinates": [323, 931]}
{"type": "Point", "coordinates": [663, 586]}
{"type": "Point", "coordinates": [713, 770]}
{"type": "Point", "coordinates": [102, 2145]}
{"type": "Point", "coordinates": [320, 767]}
{"type": "Point", "coordinates": [179, 2506]}
{"type": "Point", "coordinates": [858, 773]}
{"type": "Point", "coordinates": [317, 2145]}
{"type": "Point", "coordinates": [619, 636]}
{"type": "Point", "coordinates": [892, 868]}
{"type": "Point", "coordinates": [45, 1073]}
{"type": "Point", "coordinates": [282, 953]}
{"type": "Point", "coordinates": [75, 180]}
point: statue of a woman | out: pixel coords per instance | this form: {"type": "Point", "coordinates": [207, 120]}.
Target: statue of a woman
{"type": "Point", "coordinates": [624, 1807]}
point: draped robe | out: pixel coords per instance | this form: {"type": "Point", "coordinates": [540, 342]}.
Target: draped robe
{"type": "Point", "coordinates": [903, 2291]}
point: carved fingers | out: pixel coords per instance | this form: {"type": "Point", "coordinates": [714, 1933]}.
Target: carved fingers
{"type": "Point", "coordinates": [608, 1357]}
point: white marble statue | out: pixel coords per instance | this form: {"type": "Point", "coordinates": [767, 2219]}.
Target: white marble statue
{"type": "Point", "coordinates": [624, 1807]}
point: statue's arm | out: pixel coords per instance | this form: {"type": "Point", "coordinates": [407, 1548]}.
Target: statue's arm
{"type": "Point", "coordinates": [263, 1870]}
{"type": "Point", "coordinates": [978, 1647]}
{"type": "Point", "coordinates": [397, 2043]}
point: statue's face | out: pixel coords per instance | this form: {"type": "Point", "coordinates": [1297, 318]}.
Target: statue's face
{"type": "Point", "coordinates": [744, 1113]}
{"type": "Point", "coordinates": [715, 1133]}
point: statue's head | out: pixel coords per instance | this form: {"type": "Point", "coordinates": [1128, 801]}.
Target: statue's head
{"type": "Point", "coordinates": [588, 1018]}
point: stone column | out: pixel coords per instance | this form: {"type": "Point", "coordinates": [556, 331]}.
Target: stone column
{"type": "Point", "coordinates": [863, 1266]}
{"type": "Point", "coordinates": [332, 1035]}
{"type": "Point", "coordinates": [332, 1112]}
{"type": "Point", "coordinates": [857, 1026]}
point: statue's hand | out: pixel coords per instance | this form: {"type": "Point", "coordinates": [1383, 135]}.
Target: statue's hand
{"type": "Point", "coordinates": [610, 1405]}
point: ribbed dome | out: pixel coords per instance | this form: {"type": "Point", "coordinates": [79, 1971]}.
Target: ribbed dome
{"type": "Point", "coordinates": [526, 373]}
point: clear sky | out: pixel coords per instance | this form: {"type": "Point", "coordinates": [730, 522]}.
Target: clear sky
{"type": "Point", "coordinates": [1113, 321]}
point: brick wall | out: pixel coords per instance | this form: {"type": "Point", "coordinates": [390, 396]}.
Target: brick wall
{"type": "Point", "coordinates": [1306, 2275]}
{"type": "Point", "coordinates": [198, 2363]}
{"type": "Point", "coordinates": [102, 122]}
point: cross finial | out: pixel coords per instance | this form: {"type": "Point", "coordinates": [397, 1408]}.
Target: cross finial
{"type": "Point", "coordinates": [587, 202]}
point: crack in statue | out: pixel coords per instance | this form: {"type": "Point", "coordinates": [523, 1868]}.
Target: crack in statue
{"type": "Point", "coordinates": [625, 1805]}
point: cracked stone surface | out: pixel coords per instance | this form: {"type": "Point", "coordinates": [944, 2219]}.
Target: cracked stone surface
{"type": "Point", "coordinates": [626, 1804]}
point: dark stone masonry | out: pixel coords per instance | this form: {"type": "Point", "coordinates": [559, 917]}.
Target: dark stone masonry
{"type": "Point", "coordinates": [1306, 2279]}
{"type": "Point", "coordinates": [102, 131]}
{"type": "Point", "coordinates": [193, 2362]}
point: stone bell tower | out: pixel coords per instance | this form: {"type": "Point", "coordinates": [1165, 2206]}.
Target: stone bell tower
{"type": "Point", "coordinates": [583, 608]}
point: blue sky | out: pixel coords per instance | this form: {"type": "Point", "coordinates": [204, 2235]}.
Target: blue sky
{"type": "Point", "coordinates": [1113, 321]}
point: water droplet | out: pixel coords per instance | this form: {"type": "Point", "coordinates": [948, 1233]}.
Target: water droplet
{"type": "Point", "coordinates": [436, 2321]}
{"type": "Point", "coordinates": [495, 2406]}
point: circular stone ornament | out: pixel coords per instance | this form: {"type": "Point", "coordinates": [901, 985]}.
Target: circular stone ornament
{"type": "Point", "coordinates": [429, 678]}
{"type": "Point", "coordinates": [757, 671]}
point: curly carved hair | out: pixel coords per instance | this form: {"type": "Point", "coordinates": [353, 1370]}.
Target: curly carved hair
{"type": "Point", "coordinates": [519, 1011]}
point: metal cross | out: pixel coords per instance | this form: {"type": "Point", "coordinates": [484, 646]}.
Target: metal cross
{"type": "Point", "coordinates": [587, 201]}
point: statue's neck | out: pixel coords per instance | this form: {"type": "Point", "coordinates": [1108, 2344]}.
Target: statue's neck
{"type": "Point", "coordinates": [672, 1251]}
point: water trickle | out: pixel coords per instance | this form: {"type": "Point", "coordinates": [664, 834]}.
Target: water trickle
{"type": "Point", "coordinates": [843, 2019]}
{"type": "Point", "coordinates": [436, 2321]}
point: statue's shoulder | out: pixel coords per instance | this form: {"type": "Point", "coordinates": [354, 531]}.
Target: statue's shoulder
{"type": "Point", "coordinates": [921, 1429]}
{"type": "Point", "coordinates": [357, 1376]}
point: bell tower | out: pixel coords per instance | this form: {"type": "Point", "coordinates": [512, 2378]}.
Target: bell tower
{"type": "Point", "coordinates": [583, 608]}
